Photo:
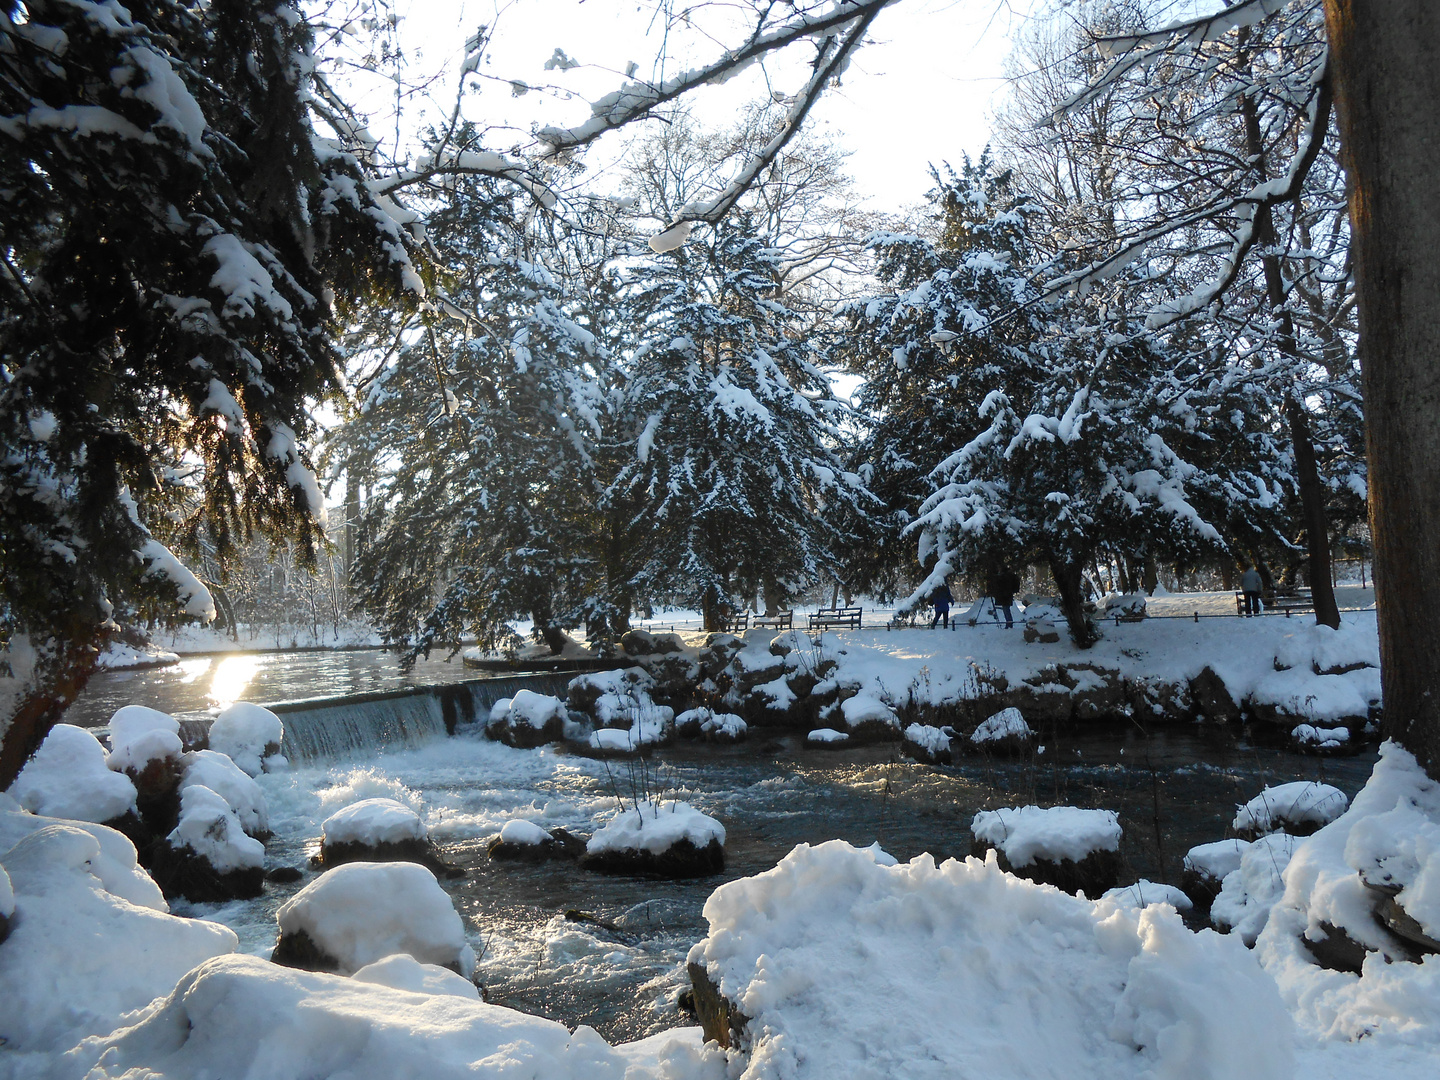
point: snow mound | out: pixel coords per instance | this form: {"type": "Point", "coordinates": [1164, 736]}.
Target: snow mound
{"type": "Point", "coordinates": [371, 822]}
{"type": "Point", "coordinates": [1326, 738]}
{"type": "Point", "coordinates": [240, 1016]}
{"type": "Point", "coordinates": [1303, 802]}
{"type": "Point", "coordinates": [1390, 836]}
{"type": "Point", "coordinates": [827, 735]}
{"type": "Point", "coordinates": [536, 710]}
{"type": "Point", "coordinates": [867, 708]}
{"type": "Point", "coordinates": [78, 956]}
{"type": "Point", "coordinates": [206, 768]}
{"type": "Point", "coordinates": [68, 778]}
{"type": "Point", "coordinates": [116, 866]}
{"type": "Point", "coordinates": [247, 734]}
{"type": "Point", "coordinates": [1006, 724]}
{"type": "Point", "coordinates": [928, 738]}
{"type": "Point", "coordinates": [656, 828]}
{"type": "Point", "coordinates": [1216, 860]}
{"type": "Point", "coordinates": [1248, 893]}
{"type": "Point", "coordinates": [1144, 893]}
{"type": "Point", "coordinates": [524, 832]}
{"type": "Point", "coordinates": [139, 735]}
{"type": "Point", "coordinates": [1026, 833]}
{"type": "Point", "coordinates": [362, 912]}
{"type": "Point", "coordinates": [210, 829]}
{"type": "Point", "coordinates": [402, 972]}
{"type": "Point", "coordinates": [845, 967]}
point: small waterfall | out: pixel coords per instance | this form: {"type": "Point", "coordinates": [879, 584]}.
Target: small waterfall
{"type": "Point", "coordinates": [323, 729]}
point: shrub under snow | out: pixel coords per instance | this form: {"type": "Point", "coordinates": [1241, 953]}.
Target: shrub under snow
{"type": "Point", "coordinates": [68, 778]}
{"type": "Point", "coordinates": [362, 912]}
{"type": "Point", "coordinates": [248, 734]}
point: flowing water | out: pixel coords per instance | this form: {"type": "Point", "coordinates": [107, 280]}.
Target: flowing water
{"type": "Point", "coordinates": [617, 960]}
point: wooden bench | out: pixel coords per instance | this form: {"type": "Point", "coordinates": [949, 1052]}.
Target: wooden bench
{"type": "Point", "coordinates": [735, 623]}
{"type": "Point", "coordinates": [1283, 601]}
{"type": "Point", "coordinates": [826, 618]}
{"type": "Point", "coordinates": [781, 620]}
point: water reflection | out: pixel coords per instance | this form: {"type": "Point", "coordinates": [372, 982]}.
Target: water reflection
{"type": "Point", "coordinates": [232, 676]}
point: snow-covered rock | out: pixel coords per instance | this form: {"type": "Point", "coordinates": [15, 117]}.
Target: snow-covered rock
{"type": "Point", "coordinates": [79, 956]}
{"type": "Point", "coordinates": [1308, 736]}
{"type": "Point", "coordinates": [403, 972]}
{"type": "Point", "coordinates": [927, 744]}
{"type": "Point", "coordinates": [1005, 732]}
{"type": "Point", "coordinates": [672, 840]}
{"type": "Point", "coordinates": [826, 739]}
{"type": "Point", "coordinates": [1128, 606]}
{"type": "Point", "coordinates": [362, 912]}
{"type": "Point", "coordinates": [1075, 849]}
{"type": "Point", "coordinates": [651, 725]}
{"type": "Point", "coordinates": [372, 822]}
{"type": "Point", "coordinates": [68, 778]}
{"type": "Point", "coordinates": [248, 734]}
{"type": "Point", "coordinates": [1385, 849]}
{"type": "Point", "coordinates": [711, 725]}
{"type": "Point", "coordinates": [529, 720]}
{"type": "Point", "coordinates": [524, 841]}
{"type": "Point", "coordinates": [836, 965]}
{"type": "Point", "coordinates": [868, 718]}
{"type": "Point", "coordinates": [139, 736]}
{"type": "Point", "coordinates": [209, 769]}
{"type": "Point", "coordinates": [1205, 868]}
{"type": "Point", "coordinates": [1144, 893]}
{"type": "Point", "coordinates": [117, 865]}
{"type": "Point", "coordinates": [1299, 808]}
{"type": "Point", "coordinates": [1248, 893]}
{"type": "Point", "coordinates": [208, 856]}
{"type": "Point", "coordinates": [239, 1016]}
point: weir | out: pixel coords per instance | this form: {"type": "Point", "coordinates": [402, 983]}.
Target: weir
{"type": "Point", "coordinates": [327, 728]}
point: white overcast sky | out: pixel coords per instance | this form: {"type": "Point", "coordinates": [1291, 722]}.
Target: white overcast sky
{"type": "Point", "coordinates": [920, 93]}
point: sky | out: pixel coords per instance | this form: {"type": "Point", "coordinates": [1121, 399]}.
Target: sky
{"type": "Point", "coordinates": [920, 92]}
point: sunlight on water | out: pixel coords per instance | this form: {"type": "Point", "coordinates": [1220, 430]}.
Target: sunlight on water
{"type": "Point", "coordinates": [232, 676]}
{"type": "Point", "coordinates": [190, 670]}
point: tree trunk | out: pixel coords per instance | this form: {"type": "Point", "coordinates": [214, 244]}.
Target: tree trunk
{"type": "Point", "coordinates": [1072, 601]}
{"type": "Point", "coordinates": [1387, 88]}
{"type": "Point", "coordinates": [58, 680]}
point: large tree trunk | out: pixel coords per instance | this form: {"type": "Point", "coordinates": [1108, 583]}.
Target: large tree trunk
{"type": "Point", "coordinates": [60, 674]}
{"type": "Point", "coordinates": [1067, 577]}
{"type": "Point", "coordinates": [1387, 89]}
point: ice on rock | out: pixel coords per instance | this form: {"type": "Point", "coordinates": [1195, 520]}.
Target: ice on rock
{"type": "Point", "coordinates": [79, 956]}
{"type": "Point", "coordinates": [69, 778]}
{"type": "Point", "coordinates": [247, 734]}
{"type": "Point", "coordinates": [524, 832]}
{"type": "Point", "coordinates": [1295, 805]}
{"type": "Point", "coordinates": [211, 830]}
{"type": "Point", "coordinates": [656, 828]}
{"type": "Point", "coordinates": [240, 1016]}
{"type": "Point", "coordinates": [242, 794]}
{"type": "Point", "coordinates": [362, 912]}
{"type": "Point", "coordinates": [1248, 893]}
{"type": "Point", "coordinates": [139, 735]}
{"type": "Point", "coordinates": [373, 821]}
{"type": "Point", "coordinates": [1026, 833]}
{"type": "Point", "coordinates": [404, 972]}
{"type": "Point", "coordinates": [836, 959]}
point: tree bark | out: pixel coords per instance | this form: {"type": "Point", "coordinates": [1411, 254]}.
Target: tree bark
{"type": "Point", "coordinates": [59, 678]}
{"type": "Point", "coordinates": [1387, 90]}
{"type": "Point", "coordinates": [1067, 577]}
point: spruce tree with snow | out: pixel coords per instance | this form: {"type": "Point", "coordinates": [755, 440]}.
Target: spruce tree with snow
{"type": "Point", "coordinates": [177, 239]}
{"type": "Point", "coordinates": [735, 482]}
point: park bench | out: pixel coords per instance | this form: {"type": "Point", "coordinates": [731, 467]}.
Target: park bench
{"type": "Point", "coordinates": [735, 623]}
{"type": "Point", "coordinates": [1287, 602]}
{"type": "Point", "coordinates": [826, 618]}
{"type": "Point", "coordinates": [781, 620]}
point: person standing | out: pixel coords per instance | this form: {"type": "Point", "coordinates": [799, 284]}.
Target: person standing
{"type": "Point", "coordinates": [1002, 590]}
{"type": "Point", "coordinates": [942, 600]}
{"type": "Point", "coordinates": [1251, 585]}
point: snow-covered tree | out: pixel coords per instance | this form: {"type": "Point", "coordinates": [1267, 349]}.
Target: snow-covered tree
{"type": "Point", "coordinates": [177, 237]}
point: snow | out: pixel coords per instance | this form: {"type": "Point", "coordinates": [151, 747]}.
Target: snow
{"type": "Point", "coordinates": [161, 562]}
{"type": "Point", "coordinates": [1216, 860]}
{"type": "Point", "coordinates": [1300, 803]}
{"type": "Point", "coordinates": [1247, 894]}
{"type": "Point", "coordinates": [211, 829]}
{"type": "Point", "coordinates": [1006, 724]}
{"type": "Point", "coordinates": [402, 972]}
{"type": "Point", "coordinates": [927, 737]}
{"type": "Point", "coordinates": [651, 724]}
{"type": "Point", "coordinates": [537, 710]}
{"type": "Point", "coordinates": [1144, 893]}
{"type": "Point", "coordinates": [1391, 835]}
{"type": "Point", "coordinates": [79, 956]}
{"type": "Point", "coordinates": [362, 912]}
{"type": "Point", "coordinates": [120, 657]}
{"type": "Point", "coordinates": [139, 735]}
{"type": "Point", "coordinates": [7, 895]}
{"type": "Point", "coordinates": [116, 865]}
{"type": "Point", "coordinates": [826, 735]}
{"type": "Point", "coordinates": [373, 821]}
{"type": "Point", "coordinates": [206, 768]}
{"type": "Point", "coordinates": [656, 827]}
{"type": "Point", "coordinates": [68, 778]}
{"type": "Point", "coordinates": [243, 1017]}
{"type": "Point", "coordinates": [524, 832]}
{"type": "Point", "coordinates": [866, 708]}
{"type": "Point", "coordinates": [243, 731]}
{"type": "Point", "coordinates": [847, 967]}
{"type": "Point", "coordinates": [1027, 833]}
{"type": "Point", "coordinates": [1323, 737]}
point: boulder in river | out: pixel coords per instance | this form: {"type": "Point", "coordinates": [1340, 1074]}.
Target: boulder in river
{"type": "Point", "coordinates": [669, 840]}
{"type": "Point", "coordinates": [1071, 848]}
{"type": "Point", "coordinates": [524, 841]}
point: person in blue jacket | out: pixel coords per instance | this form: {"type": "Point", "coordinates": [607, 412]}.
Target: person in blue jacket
{"type": "Point", "coordinates": [942, 600]}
